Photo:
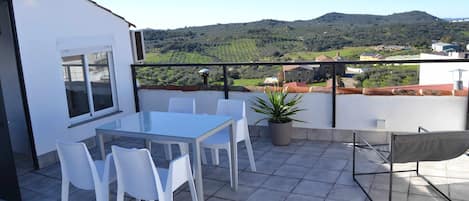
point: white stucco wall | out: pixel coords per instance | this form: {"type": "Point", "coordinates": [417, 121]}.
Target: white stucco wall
{"type": "Point", "coordinates": [11, 86]}
{"type": "Point", "coordinates": [438, 73]}
{"type": "Point", "coordinates": [401, 113]}
{"type": "Point", "coordinates": [47, 27]}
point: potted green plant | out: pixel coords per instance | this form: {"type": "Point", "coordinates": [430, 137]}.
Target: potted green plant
{"type": "Point", "coordinates": [279, 109]}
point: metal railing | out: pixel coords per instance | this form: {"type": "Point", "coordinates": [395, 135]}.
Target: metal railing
{"type": "Point", "coordinates": [332, 64]}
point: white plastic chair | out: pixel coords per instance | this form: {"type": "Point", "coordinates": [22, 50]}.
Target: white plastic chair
{"type": "Point", "coordinates": [138, 176]}
{"type": "Point", "coordinates": [79, 169]}
{"type": "Point", "coordinates": [237, 110]}
{"type": "Point", "coordinates": [179, 105]}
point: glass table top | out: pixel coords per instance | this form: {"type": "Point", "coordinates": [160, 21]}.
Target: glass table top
{"type": "Point", "coordinates": [165, 123]}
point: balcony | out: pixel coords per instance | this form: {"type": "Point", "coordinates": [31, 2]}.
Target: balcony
{"type": "Point", "coordinates": [305, 170]}
{"type": "Point", "coordinates": [361, 94]}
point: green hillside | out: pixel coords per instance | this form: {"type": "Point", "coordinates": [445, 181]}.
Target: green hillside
{"type": "Point", "coordinates": [273, 40]}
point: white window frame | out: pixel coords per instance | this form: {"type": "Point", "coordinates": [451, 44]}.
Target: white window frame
{"type": "Point", "coordinates": [94, 114]}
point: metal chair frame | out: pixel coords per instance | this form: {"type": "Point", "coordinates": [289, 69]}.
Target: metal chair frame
{"type": "Point", "coordinates": [391, 171]}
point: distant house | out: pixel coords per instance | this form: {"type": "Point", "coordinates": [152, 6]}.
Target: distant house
{"type": "Point", "coordinates": [445, 47]}
{"type": "Point", "coordinates": [271, 80]}
{"type": "Point", "coordinates": [369, 56]}
{"type": "Point", "coordinates": [299, 73]}
{"type": "Point", "coordinates": [351, 70]}
{"type": "Point", "coordinates": [312, 73]}
{"type": "Point", "coordinates": [325, 70]}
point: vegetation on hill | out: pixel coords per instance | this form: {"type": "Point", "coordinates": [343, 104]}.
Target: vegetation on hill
{"type": "Point", "coordinates": [382, 76]}
{"type": "Point", "coordinates": [273, 40]}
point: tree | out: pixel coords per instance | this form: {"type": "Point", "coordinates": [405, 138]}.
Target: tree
{"type": "Point", "coordinates": [447, 39]}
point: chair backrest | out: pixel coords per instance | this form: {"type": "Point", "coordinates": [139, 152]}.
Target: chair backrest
{"type": "Point", "coordinates": [237, 110]}
{"type": "Point", "coordinates": [77, 165]}
{"type": "Point", "coordinates": [182, 105]}
{"type": "Point", "coordinates": [430, 146]}
{"type": "Point", "coordinates": [233, 108]}
{"type": "Point", "coordinates": [137, 174]}
{"type": "Point", "coordinates": [179, 173]}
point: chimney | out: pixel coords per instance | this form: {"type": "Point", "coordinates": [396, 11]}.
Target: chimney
{"type": "Point", "coordinates": [458, 83]}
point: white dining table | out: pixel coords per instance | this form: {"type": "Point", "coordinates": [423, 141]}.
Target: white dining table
{"type": "Point", "coordinates": [180, 127]}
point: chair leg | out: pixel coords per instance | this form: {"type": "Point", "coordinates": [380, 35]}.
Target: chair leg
{"type": "Point", "coordinates": [168, 151]}
{"type": "Point", "coordinates": [204, 157]}
{"type": "Point", "coordinates": [228, 148]}
{"type": "Point", "coordinates": [215, 157]}
{"type": "Point", "coordinates": [120, 194]}
{"type": "Point", "coordinates": [65, 189]}
{"type": "Point", "coordinates": [184, 148]}
{"type": "Point", "coordinates": [192, 188]}
{"type": "Point", "coordinates": [252, 163]}
{"type": "Point", "coordinates": [148, 144]}
{"type": "Point", "coordinates": [102, 192]}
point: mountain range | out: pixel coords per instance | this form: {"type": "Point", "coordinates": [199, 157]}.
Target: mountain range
{"type": "Point", "coordinates": [273, 39]}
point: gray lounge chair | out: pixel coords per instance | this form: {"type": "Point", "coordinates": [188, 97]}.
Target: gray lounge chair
{"type": "Point", "coordinates": [412, 147]}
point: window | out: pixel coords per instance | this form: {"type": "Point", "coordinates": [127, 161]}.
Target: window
{"type": "Point", "coordinates": [89, 85]}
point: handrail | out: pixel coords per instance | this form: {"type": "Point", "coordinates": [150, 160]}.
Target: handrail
{"type": "Point", "coordinates": [417, 61]}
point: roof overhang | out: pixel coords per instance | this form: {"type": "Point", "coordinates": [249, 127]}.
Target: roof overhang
{"type": "Point", "coordinates": [110, 11]}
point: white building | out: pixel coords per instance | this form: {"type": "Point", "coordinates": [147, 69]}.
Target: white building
{"type": "Point", "coordinates": [271, 80]}
{"type": "Point", "coordinates": [439, 73]}
{"type": "Point", "coordinates": [57, 44]}
{"type": "Point", "coordinates": [444, 47]}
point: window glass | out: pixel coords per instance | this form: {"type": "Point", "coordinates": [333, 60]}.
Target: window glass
{"type": "Point", "coordinates": [99, 76]}
{"type": "Point", "coordinates": [75, 85]}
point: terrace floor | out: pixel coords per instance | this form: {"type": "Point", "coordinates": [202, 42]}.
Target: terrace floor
{"type": "Point", "coordinates": [303, 171]}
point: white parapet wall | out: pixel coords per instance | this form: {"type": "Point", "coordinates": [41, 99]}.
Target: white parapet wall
{"type": "Point", "coordinates": [439, 73]}
{"type": "Point", "coordinates": [354, 112]}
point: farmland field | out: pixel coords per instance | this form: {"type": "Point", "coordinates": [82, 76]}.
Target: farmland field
{"type": "Point", "coordinates": [247, 82]}
{"type": "Point", "coordinates": [177, 57]}
{"type": "Point", "coordinates": [347, 52]}
{"type": "Point", "coordinates": [235, 51]}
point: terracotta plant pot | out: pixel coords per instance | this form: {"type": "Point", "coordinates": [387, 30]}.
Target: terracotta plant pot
{"type": "Point", "coordinates": [280, 133]}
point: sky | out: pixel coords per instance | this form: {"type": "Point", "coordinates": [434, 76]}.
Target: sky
{"type": "Point", "coordinates": [170, 14]}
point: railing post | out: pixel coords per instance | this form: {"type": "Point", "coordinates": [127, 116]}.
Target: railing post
{"type": "Point", "coordinates": [467, 113]}
{"type": "Point", "coordinates": [134, 83]}
{"type": "Point", "coordinates": [225, 82]}
{"type": "Point", "coordinates": [334, 86]}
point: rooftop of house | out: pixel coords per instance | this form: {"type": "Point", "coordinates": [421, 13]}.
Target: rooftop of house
{"type": "Point", "coordinates": [295, 67]}
{"type": "Point", "coordinates": [443, 44]}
